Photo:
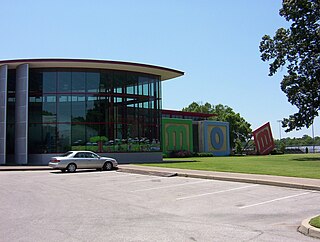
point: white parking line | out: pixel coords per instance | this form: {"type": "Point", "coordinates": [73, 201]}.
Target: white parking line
{"type": "Point", "coordinates": [118, 175]}
{"type": "Point", "coordinates": [144, 180]}
{"type": "Point", "coordinates": [176, 185]}
{"type": "Point", "coordinates": [211, 193]}
{"type": "Point", "coordinates": [277, 199]}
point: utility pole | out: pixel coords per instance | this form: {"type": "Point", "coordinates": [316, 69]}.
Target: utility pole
{"type": "Point", "coordinates": [313, 138]}
{"type": "Point", "coordinates": [279, 121]}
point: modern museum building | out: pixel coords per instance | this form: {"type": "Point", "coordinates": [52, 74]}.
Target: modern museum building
{"type": "Point", "coordinates": [50, 106]}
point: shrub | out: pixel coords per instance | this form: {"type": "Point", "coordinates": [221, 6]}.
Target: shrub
{"type": "Point", "coordinates": [282, 147]}
{"type": "Point", "coordinates": [180, 154]}
{"type": "Point", "coordinates": [96, 139]}
{"type": "Point", "coordinates": [238, 146]}
{"type": "Point", "coordinates": [203, 154]}
{"type": "Point", "coordinates": [276, 152]}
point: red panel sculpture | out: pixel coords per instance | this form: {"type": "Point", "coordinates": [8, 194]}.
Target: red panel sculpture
{"type": "Point", "coordinates": [263, 139]}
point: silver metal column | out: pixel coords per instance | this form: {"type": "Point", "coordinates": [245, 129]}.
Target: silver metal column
{"type": "Point", "coordinates": [3, 112]}
{"type": "Point", "coordinates": [21, 112]}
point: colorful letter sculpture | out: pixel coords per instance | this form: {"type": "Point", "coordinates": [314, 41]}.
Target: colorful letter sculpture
{"type": "Point", "coordinates": [263, 139]}
{"type": "Point", "coordinates": [177, 135]}
{"type": "Point", "coordinates": [214, 138]}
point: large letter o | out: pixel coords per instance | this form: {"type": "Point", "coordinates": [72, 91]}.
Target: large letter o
{"type": "Point", "coordinates": [214, 143]}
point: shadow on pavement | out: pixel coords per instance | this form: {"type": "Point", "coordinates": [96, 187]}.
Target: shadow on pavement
{"type": "Point", "coordinates": [78, 171]}
{"type": "Point", "coordinates": [307, 159]}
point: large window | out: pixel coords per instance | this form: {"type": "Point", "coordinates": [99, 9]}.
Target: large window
{"type": "Point", "coordinates": [78, 108]}
{"type": "Point", "coordinates": [98, 110]}
{"type": "Point", "coordinates": [78, 82]}
{"type": "Point", "coordinates": [49, 81]}
{"type": "Point", "coordinates": [64, 82]}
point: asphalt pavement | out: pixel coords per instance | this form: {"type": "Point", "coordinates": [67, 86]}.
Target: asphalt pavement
{"type": "Point", "coordinates": [291, 182]}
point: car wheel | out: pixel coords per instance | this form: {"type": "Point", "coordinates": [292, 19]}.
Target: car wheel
{"type": "Point", "coordinates": [72, 167]}
{"type": "Point", "coordinates": [107, 166]}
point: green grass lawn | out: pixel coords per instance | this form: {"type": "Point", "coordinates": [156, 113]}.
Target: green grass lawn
{"type": "Point", "coordinates": [315, 222]}
{"type": "Point", "coordinates": [301, 165]}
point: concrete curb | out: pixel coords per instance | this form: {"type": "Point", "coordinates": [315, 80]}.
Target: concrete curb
{"type": "Point", "coordinates": [167, 173]}
{"type": "Point", "coordinates": [222, 178]}
{"type": "Point", "coordinates": [261, 182]}
{"type": "Point", "coordinates": [306, 229]}
{"type": "Point", "coordinates": [151, 173]}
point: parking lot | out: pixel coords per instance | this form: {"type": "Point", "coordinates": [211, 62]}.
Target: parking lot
{"type": "Point", "coordinates": [118, 206]}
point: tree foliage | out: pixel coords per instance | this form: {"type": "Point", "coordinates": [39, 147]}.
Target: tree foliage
{"type": "Point", "coordinates": [200, 108]}
{"type": "Point", "coordinates": [297, 49]}
{"type": "Point", "coordinates": [239, 127]}
{"type": "Point", "coordinates": [96, 139]}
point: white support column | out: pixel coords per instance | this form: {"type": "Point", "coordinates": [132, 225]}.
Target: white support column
{"type": "Point", "coordinates": [3, 112]}
{"type": "Point", "coordinates": [21, 114]}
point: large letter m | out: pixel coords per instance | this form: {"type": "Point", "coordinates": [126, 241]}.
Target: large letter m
{"type": "Point", "coordinates": [263, 139]}
{"type": "Point", "coordinates": [177, 138]}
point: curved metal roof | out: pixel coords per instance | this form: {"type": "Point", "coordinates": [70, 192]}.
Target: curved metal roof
{"type": "Point", "coordinates": [163, 72]}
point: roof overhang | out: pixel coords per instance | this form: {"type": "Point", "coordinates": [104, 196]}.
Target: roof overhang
{"type": "Point", "coordinates": [163, 72]}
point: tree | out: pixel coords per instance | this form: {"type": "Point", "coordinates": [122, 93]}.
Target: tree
{"type": "Point", "coordinates": [297, 49]}
{"type": "Point", "coordinates": [99, 140]}
{"type": "Point", "coordinates": [239, 127]}
{"type": "Point", "coordinates": [199, 108]}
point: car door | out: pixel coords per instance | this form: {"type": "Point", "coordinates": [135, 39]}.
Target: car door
{"type": "Point", "coordinates": [80, 160]}
{"type": "Point", "coordinates": [93, 160]}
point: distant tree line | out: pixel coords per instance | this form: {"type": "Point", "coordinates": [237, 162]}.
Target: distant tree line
{"type": "Point", "coordinates": [305, 140]}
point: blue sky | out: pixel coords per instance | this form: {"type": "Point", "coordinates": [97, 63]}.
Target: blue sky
{"type": "Point", "coordinates": [216, 44]}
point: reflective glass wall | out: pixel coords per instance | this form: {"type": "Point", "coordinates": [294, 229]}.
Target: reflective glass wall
{"type": "Point", "coordinates": [98, 110]}
{"type": "Point", "coordinates": [11, 110]}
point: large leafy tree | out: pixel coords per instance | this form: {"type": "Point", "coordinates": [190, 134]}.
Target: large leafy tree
{"type": "Point", "coordinates": [239, 127]}
{"type": "Point", "coordinates": [298, 50]}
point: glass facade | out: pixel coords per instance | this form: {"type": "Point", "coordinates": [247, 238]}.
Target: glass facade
{"type": "Point", "coordinates": [11, 111]}
{"type": "Point", "coordinates": [90, 109]}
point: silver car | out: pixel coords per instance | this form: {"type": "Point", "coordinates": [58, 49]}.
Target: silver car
{"type": "Point", "coordinates": [73, 160]}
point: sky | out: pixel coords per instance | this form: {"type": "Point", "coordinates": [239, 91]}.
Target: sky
{"type": "Point", "coordinates": [215, 43]}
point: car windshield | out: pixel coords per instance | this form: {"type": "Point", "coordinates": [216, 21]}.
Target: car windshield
{"type": "Point", "coordinates": [66, 154]}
